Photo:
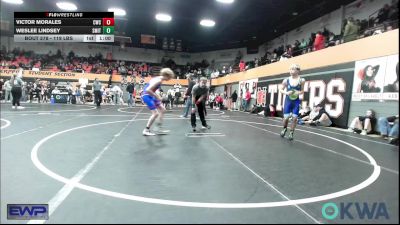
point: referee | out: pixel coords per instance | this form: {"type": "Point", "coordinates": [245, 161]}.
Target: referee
{"type": "Point", "coordinates": [199, 96]}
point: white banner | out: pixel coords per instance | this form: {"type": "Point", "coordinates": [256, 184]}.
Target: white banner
{"type": "Point", "coordinates": [376, 79]}
{"type": "Point", "coordinates": [248, 84]}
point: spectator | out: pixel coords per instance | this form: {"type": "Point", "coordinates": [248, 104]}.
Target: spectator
{"type": "Point", "coordinates": [55, 91]}
{"type": "Point", "coordinates": [242, 65]}
{"type": "Point", "coordinates": [8, 87]}
{"type": "Point", "coordinates": [69, 90]}
{"type": "Point", "coordinates": [234, 97]}
{"type": "Point", "coordinates": [219, 101]}
{"type": "Point", "coordinates": [319, 42]}
{"type": "Point", "coordinates": [247, 99]}
{"type": "Point", "coordinates": [351, 31]}
{"type": "Point", "coordinates": [44, 92]}
{"type": "Point", "coordinates": [77, 93]}
{"type": "Point", "coordinates": [188, 95]}
{"type": "Point", "coordinates": [117, 94]}
{"type": "Point", "coordinates": [394, 11]}
{"type": "Point", "coordinates": [130, 88]}
{"type": "Point", "coordinates": [383, 14]}
{"type": "Point", "coordinates": [1, 88]}
{"type": "Point", "coordinates": [296, 49]}
{"type": "Point", "coordinates": [171, 96]}
{"type": "Point", "coordinates": [331, 40]}
{"type": "Point", "coordinates": [322, 119]}
{"type": "Point", "coordinates": [177, 96]}
{"type": "Point", "coordinates": [304, 113]}
{"type": "Point", "coordinates": [364, 124]}
{"type": "Point", "coordinates": [311, 42]}
{"type": "Point", "coordinates": [303, 45]}
{"type": "Point", "coordinates": [287, 54]}
{"type": "Point", "coordinates": [256, 62]}
{"type": "Point", "coordinates": [269, 111]}
{"type": "Point", "coordinates": [122, 70]}
{"type": "Point", "coordinates": [389, 128]}
{"type": "Point", "coordinates": [313, 113]}
{"type": "Point", "coordinates": [97, 92]}
{"type": "Point", "coordinates": [223, 71]}
{"type": "Point", "coordinates": [211, 100]}
{"type": "Point", "coordinates": [16, 91]}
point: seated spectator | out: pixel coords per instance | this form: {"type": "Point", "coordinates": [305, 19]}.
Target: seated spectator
{"type": "Point", "coordinates": [383, 14]}
{"type": "Point", "coordinates": [303, 45]}
{"type": "Point", "coordinates": [230, 69]}
{"type": "Point", "coordinates": [256, 109]}
{"type": "Point", "coordinates": [311, 116]}
{"type": "Point", "coordinates": [211, 100]}
{"type": "Point", "coordinates": [322, 119]}
{"type": "Point", "coordinates": [389, 128]}
{"type": "Point", "coordinates": [287, 54]}
{"type": "Point", "coordinates": [223, 71]}
{"type": "Point", "coordinates": [394, 10]}
{"type": "Point", "coordinates": [332, 39]}
{"type": "Point", "coordinates": [304, 114]}
{"type": "Point", "coordinates": [351, 31]}
{"type": "Point", "coordinates": [319, 42]}
{"type": "Point", "coordinates": [364, 124]}
{"type": "Point", "coordinates": [269, 111]}
{"type": "Point", "coordinates": [55, 91]}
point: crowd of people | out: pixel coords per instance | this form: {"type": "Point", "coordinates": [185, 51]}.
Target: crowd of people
{"type": "Point", "coordinates": [352, 29]}
{"type": "Point", "coordinates": [15, 90]}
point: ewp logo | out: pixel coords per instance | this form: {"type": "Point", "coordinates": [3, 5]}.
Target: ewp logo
{"type": "Point", "coordinates": [331, 211]}
{"type": "Point", "coordinates": [27, 212]}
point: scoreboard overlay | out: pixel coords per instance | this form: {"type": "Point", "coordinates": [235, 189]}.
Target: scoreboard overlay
{"type": "Point", "coordinates": [64, 26]}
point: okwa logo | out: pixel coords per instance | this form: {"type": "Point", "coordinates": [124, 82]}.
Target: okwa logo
{"type": "Point", "coordinates": [351, 210]}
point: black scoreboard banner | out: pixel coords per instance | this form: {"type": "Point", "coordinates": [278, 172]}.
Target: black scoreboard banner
{"type": "Point", "coordinates": [64, 26]}
{"type": "Point", "coordinates": [328, 86]}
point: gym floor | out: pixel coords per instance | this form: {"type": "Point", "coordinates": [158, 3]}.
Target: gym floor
{"type": "Point", "coordinates": [94, 166]}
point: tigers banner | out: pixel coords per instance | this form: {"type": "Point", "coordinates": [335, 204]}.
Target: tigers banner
{"type": "Point", "coordinates": [330, 87]}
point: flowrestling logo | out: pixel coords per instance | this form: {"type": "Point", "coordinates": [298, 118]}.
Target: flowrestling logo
{"type": "Point", "coordinates": [355, 210]}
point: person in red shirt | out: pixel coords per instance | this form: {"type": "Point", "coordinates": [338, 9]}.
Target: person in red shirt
{"type": "Point", "coordinates": [219, 100]}
{"type": "Point", "coordinates": [319, 42]}
{"type": "Point", "coordinates": [242, 65]}
{"type": "Point", "coordinates": [247, 99]}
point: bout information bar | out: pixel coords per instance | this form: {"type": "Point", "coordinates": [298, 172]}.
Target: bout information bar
{"type": "Point", "coordinates": [64, 27]}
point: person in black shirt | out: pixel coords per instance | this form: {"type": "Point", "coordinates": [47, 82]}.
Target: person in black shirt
{"type": "Point", "coordinates": [199, 96]}
{"type": "Point", "coordinates": [130, 88]}
{"type": "Point", "coordinates": [234, 97]}
{"type": "Point", "coordinates": [365, 124]}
